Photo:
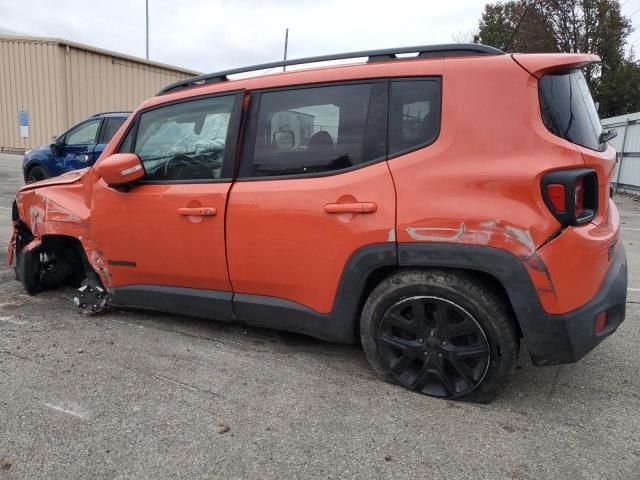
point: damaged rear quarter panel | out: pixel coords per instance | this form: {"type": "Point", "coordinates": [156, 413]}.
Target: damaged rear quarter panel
{"type": "Point", "coordinates": [62, 206]}
{"type": "Point", "coordinates": [481, 186]}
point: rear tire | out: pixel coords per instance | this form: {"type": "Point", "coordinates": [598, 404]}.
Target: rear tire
{"type": "Point", "coordinates": [441, 333]}
{"type": "Point", "coordinates": [36, 173]}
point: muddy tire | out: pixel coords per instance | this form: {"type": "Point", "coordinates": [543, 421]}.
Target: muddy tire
{"type": "Point", "coordinates": [441, 333]}
{"type": "Point", "coordinates": [49, 265]}
{"type": "Point", "coordinates": [27, 270]}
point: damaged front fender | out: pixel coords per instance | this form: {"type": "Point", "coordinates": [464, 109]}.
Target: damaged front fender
{"type": "Point", "coordinates": [52, 219]}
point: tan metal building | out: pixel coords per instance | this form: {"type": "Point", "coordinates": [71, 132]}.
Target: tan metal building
{"type": "Point", "coordinates": [48, 84]}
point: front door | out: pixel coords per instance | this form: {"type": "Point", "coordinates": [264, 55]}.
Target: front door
{"type": "Point", "coordinates": [77, 147]}
{"type": "Point", "coordinates": [164, 239]}
{"type": "Point", "coordinates": [313, 188]}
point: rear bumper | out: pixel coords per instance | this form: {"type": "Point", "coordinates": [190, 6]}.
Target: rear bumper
{"type": "Point", "coordinates": [566, 338]}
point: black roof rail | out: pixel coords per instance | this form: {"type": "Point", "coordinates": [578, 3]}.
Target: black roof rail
{"type": "Point", "coordinates": [109, 113]}
{"type": "Point", "coordinates": [425, 51]}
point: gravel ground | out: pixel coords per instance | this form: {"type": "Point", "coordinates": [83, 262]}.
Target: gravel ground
{"type": "Point", "coordinates": [139, 395]}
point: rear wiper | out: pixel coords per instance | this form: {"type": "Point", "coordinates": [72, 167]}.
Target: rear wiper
{"type": "Point", "coordinates": [607, 135]}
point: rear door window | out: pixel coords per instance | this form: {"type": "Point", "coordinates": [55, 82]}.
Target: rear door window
{"type": "Point", "coordinates": [568, 110]}
{"type": "Point", "coordinates": [315, 130]}
{"type": "Point", "coordinates": [109, 129]}
{"type": "Point", "coordinates": [414, 114]}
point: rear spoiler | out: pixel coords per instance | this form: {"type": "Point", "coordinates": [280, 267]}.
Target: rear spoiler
{"type": "Point", "coordinates": [539, 64]}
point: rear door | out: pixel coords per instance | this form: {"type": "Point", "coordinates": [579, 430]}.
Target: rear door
{"type": "Point", "coordinates": [110, 126]}
{"type": "Point", "coordinates": [163, 239]}
{"type": "Point", "coordinates": [313, 187]}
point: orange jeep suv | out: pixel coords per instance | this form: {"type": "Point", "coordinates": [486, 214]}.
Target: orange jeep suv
{"type": "Point", "coordinates": [438, 207]}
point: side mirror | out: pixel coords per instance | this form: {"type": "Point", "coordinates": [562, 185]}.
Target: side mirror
{"type": "Point", "coordinates": [120, 169]}
{"type": "Point", "coordinates": [56, 148]}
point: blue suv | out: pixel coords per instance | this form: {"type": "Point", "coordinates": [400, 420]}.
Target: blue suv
{"type": "Point", "coordinates": [78, 147]}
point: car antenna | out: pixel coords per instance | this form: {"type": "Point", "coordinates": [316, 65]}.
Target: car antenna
{"type": "Point", "coordinates": [516, 28]}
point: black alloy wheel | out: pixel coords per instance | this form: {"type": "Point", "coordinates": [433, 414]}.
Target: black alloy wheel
{"type": "Point", "coordinates": [444, 333]}
{"type": "Point", "coordinates": [433, 346]}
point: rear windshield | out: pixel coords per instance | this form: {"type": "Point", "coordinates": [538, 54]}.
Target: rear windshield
{"type": "Point", "coordinates": [568, 110]}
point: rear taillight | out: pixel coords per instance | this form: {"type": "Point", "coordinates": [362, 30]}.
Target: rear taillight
{"type": "Point", "coordinates": [571, 195]}
{"type": "Point", "coordinates": [556, 194]}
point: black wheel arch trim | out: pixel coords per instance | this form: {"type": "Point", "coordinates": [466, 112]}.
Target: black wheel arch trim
{"type": "Point", "coordinates": [551, 339]}
{"type": "Point", "coordinates": [508, 269]}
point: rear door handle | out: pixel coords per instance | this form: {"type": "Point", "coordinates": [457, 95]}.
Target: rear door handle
{"type": "Point", "coordinates": [360, 207]}
{"type": "Point", "coordinates": [198, 211]}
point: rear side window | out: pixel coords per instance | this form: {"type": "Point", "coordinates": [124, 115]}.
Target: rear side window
{"type": "Point", "coordinates": [315, 130]}
{"type": "Point", "coordinates": [414, 114]}
{"type": "Point", "coordinates": [109, 129]}
{"type": "Point", "coordinates": [568, 110]}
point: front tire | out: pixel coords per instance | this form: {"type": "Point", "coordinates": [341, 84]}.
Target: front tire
{"type": "Point", "coordinates": [441, 333]}
{"type": "Point", "coordinates": [36, 173]}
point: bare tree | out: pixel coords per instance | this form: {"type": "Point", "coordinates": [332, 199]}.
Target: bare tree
{"type": "Point", "coordinates": [470, 36]}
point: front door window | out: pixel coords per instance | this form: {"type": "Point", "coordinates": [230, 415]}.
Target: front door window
{"type": "Point", "coordinates": [84, 134]}
{"type": "Point", "coordinates": [185, 141]}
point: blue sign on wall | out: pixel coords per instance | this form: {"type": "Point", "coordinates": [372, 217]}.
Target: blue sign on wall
{"type": "Point", "coordinates": [23, 121]}
{"type": "Point", "coordinates": [23, 118]}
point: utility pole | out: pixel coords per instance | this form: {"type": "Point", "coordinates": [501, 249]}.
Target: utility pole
{"type": "Point", "coordinates": [147, 4]}
{"type": "Point", "coordinates": [286, 44]}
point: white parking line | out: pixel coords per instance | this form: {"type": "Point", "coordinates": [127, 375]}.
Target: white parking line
{"type": "Point", "coordinates": [180, 384]}
{"type": "Point", "coordinates": [64, 410]}
{"type": "Point", "coordinates": [633, 289]}
{"type": "Point", "coordinates": [11, 319]}
{"type": "Point", "coordinates": [629, 228]}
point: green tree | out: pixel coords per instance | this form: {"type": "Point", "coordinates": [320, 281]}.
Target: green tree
{"type": "Point", "coordinates": [594, 26]}
{"type": "Point", "coordinates": [499, 21]}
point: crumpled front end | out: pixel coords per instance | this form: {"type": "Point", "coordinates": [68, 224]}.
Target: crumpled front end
{"type": "Point", "coordinates": [51, 244]}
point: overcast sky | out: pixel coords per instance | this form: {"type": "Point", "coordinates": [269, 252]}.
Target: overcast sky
{"type": "Point", "coordinates": [209, 35]}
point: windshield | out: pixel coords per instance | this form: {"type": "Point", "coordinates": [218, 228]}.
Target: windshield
{"type": "Point", "coordinates": [568, 110]}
